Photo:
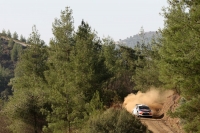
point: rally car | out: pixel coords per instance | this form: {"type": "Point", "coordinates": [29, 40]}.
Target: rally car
{"type": "Point", "coordinates": [142, 110]}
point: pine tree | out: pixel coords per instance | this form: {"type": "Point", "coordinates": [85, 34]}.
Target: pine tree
{"type": "Point", "coordinates": [1, 47]}
{"type": "Point", "coordinates": [3, 32]}
{"type": "Point", "coordinates": [109, 55]}
{"type": "Point", "coordinates": [4, 77]}
{"type": "Point", "coordinates": [146, 72]}
{"type": "Point", "coordinates": [119, 61]}
{"type": "Point", "coordinates": [15, 35]}
{"type": "Point", "coordinates": [24, 107]}
{"type": "Point", "coordinates": [11, 43]}
{"type": "Point", "coordinates": [190, 122]}
{"type": "Point", "coordinates": [22, 39]}
{"type": "Point", "coordinates": [9, 34]}
{"type": "Point", "coordinates": [66, 102]}
{"type": "Point", "coordinates": [179, 54]}
{"type": "Point", "coordinates": [16, 51]}
{"type": "Point", "coordinates": [109, 52]}
{"type": "Point", "coordinates": [179, 64]}
{"type": "Point", "coordinates": [85, 61]}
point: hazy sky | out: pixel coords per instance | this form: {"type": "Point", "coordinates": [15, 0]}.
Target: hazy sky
{"type": "Point", "coordinates": [117, 18]}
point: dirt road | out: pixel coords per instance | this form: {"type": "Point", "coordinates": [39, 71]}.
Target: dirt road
{"type": "Point", "coordinates": [158, 125]}
{"type": "Point", "coordinates": [164, 123]}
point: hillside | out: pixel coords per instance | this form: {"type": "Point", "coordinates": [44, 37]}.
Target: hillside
{"type": "Point", "coordinates": [10, 50]}
{"type": "Point", "coordinates": [135, 39]}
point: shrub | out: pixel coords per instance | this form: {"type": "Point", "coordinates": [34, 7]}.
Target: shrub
{"type": "Point", "coordinates": [115, 121]}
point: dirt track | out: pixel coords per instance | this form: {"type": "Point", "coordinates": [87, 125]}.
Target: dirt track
{"type": "Point", "coordinates": [163, 123]}
{"type": "Point", "coordinates": [157, 125]}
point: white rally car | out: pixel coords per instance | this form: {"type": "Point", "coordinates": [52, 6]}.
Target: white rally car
{"type": "Point", "coordinates": [142, 110]}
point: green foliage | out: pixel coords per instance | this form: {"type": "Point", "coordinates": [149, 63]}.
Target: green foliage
{"type": "Point", "coordinates": [23, 112]}
{"type": "Point", "coordinates": [1, 47]}
{"type": "Point", "coordinates": [59, 88]}
{"type": "Point", "coordinates": [125, 65]}
{"type": "Point", "coordinates": [66, 102]}
{"type": "Point", "coordinates": [146, 73]}
{"type": "Point", "coordinates": [85, 61]}
{"type": "Point", "coordinates": [15, 35]}
{"type": "Point", "coordinates": [94, 106]}
{"type": "Point", "coordinates": [24, 107]}
{"type": "Point", "coordinates": [115, 121]}
{"type": "Point", "coordinates": [179, 64]}
{"type": "Point", "coordinates": [63, 28]}
{"type": "Point", "coordinates": [16, 51]}
{"type": "Point", "coordinates": [11, 43]}
{"type": "Point", "coordinates": [191, 121]}
{"type": "Point", "coordinates": [76, 75]}
{"type": "Point", "coordinates": [120, 64]}
{"type": "Point", "coordinates": [3, 72]}
{"type": "Point", "coordinates": [9, 34]}
{"type": "Point", "coordinates": [5, 76]}
{"type": "Point", "coordinates": [127, 58]}
{"type": "Point", "coordinates": [109, 53]}
{"type": "Point", "coordinates": [3, 32]}
{"type": "Point", "coordinates": [180, 52]}
{"type": "Point", "coordinates": [22, 39]}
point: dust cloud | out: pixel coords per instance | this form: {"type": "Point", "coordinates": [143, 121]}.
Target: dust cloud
{"type": "Point", "coordinates": [153, 98]}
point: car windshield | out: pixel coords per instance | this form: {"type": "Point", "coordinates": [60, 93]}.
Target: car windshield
{"type": "Point", "coordinates": [143, 107]}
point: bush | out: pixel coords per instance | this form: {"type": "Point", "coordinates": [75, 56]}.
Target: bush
{"type": "Point", "coordinates": [115, 121]}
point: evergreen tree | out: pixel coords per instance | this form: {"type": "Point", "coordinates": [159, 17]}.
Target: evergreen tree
{"type": "Point", "coordinates": [125, 69]}
{"type": "Point", "coordinates": [88, 68]}
{"type": "Point", "coordinates": [179, 64]}
{"type": "Point", "coordinates": [109, 54]}
{"type": "Point", "coordinates": [179, 53]}
{"type": "Point", "coordinates": [95, 105]}
{"type": "Point", "coordinates": [22, 39]}
{"type": "Point", "coordinates": [24, 107]}
{"type": "Point", "coordinates": [190, 122]}
{"type": "Point", "coordinates": [66, 102]}
{"type": "Point", "coordinates": [1, 47]}
{"type": "Point", "coordinates": [119, 60]}
{"type": "Point", "coordinates": [9, 34]}
{"type": "Point", "coordinates": [4, 32]}
{"type": "Point", "coordinates": [85, 61]}
{"type": "Point", "coordinates": [16, 51]}
{"type": "Point", "coordinates": [11, 43]}
{"type": "Point", "coordinates": [146, 73]}
{"type": "Point", "coordinates": [4, 77]}
{"type": "Point", "coordinates": [15, 35]}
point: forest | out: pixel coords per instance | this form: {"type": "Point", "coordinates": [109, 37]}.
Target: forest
{"type": "Point", "coordinates": [78, 82]}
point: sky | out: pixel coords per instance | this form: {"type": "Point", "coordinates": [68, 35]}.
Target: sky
{"type": "Point", "coordinates": [118, 19]}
